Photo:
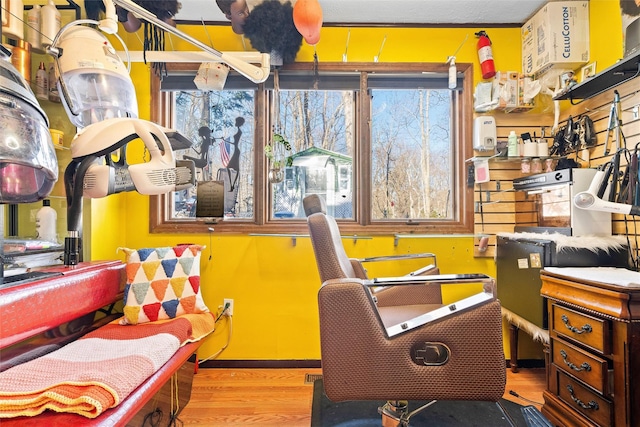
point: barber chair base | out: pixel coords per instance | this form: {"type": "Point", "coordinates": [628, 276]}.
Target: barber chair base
{"type": "Point", "coordinates": [395, 413]}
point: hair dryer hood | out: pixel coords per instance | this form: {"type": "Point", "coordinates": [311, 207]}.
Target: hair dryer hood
{"type": "Point", "coordinates": [95, 83]}
{"type": "Point", "coordinates": [28, 162]}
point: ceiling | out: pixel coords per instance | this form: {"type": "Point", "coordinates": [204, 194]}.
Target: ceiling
{"type": "Point", "coordinates": [395, 12]}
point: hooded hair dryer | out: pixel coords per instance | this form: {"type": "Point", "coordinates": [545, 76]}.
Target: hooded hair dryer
{"type": "Point", "coordinates": [94, 173]}
{"type": "Point", "coordinates": [28, 162]}
{"type": "Point", "coordinates": [92, 79]}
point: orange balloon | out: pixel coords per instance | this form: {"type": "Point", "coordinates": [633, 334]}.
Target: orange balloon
{"type": "Point", "coordinates": [307, 17]}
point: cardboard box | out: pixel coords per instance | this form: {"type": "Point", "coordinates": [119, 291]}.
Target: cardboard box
{"type": "Point", "coordinates": [529, 56]}
{"type": "Point", "coordinates": [556, 37]}
{"type": "Point", "coordinates": [630, 34]}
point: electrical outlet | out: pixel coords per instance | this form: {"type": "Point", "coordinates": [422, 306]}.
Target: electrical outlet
{"type": "Point", "coordinates": [230, 309]}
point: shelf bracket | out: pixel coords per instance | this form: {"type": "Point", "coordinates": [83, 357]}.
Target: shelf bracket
{"type": "Point", "coordinates": [635, 74]}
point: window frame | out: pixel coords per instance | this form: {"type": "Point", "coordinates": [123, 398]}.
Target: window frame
{"type": "Point", "coordinates": [161, 112]}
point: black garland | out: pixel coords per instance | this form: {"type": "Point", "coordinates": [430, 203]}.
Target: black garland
{"type": "Point", "coordinates": [154, 40]}
{"type": "Point", "coordinates": [153, 36]}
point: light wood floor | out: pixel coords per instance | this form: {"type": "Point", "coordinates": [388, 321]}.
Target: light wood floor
{"type": "Point", "coordinates": [280, 397]}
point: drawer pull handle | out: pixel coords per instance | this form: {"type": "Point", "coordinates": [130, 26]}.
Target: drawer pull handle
{"type": "Point", "coordinates": [591, 405]}
{"type": "Point", "coordinates": [586, 328]}
{"type": "Point", "coordinates": [584, 367]}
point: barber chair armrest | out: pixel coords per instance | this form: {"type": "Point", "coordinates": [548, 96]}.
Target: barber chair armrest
{"type": "Point", "coordinates": [392, 296]}
{"type": "Point", "coordinates": [488, 282]}
{"type": "Point", "coordinates": [399, 257]}
{"type": "Point", "coordinates": [434, 314]}
{"type": "Point", "coordinates": [427, 269]}
{"type": "Point", "coordinates": [437, 314]}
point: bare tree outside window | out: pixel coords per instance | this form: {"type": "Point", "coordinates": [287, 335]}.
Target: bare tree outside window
{"type": "Point", "coordinates": [412, 154]}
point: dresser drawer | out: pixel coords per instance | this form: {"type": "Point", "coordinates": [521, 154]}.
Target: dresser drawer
{"type": "Point", "coordinates": [583, 365]}
{"type": "Point", "coordinates": [584, 400]}
{"type": "Point", "coordinates": [581, 328]}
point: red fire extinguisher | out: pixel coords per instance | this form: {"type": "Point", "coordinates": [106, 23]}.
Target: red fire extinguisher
{"type": "Point", "coordinates": [485, 54]}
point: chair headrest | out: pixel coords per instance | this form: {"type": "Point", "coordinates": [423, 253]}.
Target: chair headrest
{"type": "Point", "coordinates": [313, 203]}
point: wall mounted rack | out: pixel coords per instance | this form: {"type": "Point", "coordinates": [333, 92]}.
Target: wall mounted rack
{"type": "Point", "coordinates": [620, 72]}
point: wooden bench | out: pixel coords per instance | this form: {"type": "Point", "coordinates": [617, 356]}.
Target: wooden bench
{"type": "Point", "coordinates": [42, 315]}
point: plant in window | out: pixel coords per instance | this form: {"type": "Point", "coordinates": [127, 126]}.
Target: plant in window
{"type": "Point", "coordinates": [278, 151]}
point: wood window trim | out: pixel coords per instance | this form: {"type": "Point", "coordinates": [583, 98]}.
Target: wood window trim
{"type": "Point", "coordinates": [161, 112]}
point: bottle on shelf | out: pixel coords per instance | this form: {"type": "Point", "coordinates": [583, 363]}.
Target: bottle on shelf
{"type": "Point", "coordinates": [49, 23]}
{"type": "Point", "coordinates": [12, 26]}
{"type": "Point", "coordinates": [54, 95]}
{"type": "Point", "coordinates": [512, 145]}
{"type": "Point", "coordinates": [46, 219]}
{"type": "Point", "coordinates": [42, 86]}
{"type": "Point", "coordinates": [32, 28]}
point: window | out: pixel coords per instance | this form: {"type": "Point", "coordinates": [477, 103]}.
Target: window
{"type": "Point", "coordinates": [320, 125]}
{"type": "Point", "coordinates": [385, 145]}
{"type": "Point", "coordinates": [221, 126]}
{"type": "Point", "coordinates": [412, 155]}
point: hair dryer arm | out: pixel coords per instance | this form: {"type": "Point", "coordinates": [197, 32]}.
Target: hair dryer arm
{"type": "Point", "coordinates": [251, 72]}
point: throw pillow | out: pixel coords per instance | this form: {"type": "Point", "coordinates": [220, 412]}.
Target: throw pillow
{"type": "Point", "coordinates": [162, 283]}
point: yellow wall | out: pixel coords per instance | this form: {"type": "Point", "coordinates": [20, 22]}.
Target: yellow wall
{"type": "Point", "coordinates": [273, 282]}
{"type": "Point", "coordinates": [606, 33]}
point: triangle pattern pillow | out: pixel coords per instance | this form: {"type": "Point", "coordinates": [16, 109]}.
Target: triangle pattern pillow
{"type": "Point", "coordinates": [162, 283]}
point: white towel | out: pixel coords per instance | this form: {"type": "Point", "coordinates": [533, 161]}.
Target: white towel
{"type": "Point", "coordinates": [611, 275]}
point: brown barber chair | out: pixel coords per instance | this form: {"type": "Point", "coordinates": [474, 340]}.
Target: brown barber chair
{"type": "Point", "coordinates": [394, 339]}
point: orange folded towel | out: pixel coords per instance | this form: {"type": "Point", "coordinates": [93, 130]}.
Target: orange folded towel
{"type": "Point", "coordinates": [99, 370]}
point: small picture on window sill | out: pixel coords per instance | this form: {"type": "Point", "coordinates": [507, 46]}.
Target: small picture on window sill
{"type": "Point", "coordinates": [567, 80]}
{"type": "Point", "coordinates": [588, 71]}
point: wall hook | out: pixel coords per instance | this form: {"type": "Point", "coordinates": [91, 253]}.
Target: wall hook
{"type": "Point", "coordinates": [346, 47]}
{"type": "Point", "coordinates": [375, 58]}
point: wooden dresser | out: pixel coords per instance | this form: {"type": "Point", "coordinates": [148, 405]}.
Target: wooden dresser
{"type": "Point", "coordinates": [593, 363]}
